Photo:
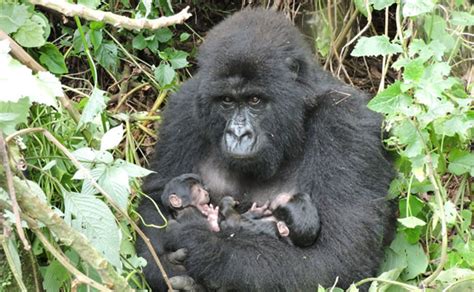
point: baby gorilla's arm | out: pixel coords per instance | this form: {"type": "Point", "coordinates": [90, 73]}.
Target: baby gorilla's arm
{"type": "Point", "coordinates": [213, 218]}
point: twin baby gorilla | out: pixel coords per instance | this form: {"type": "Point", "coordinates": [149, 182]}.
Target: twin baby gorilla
{"type": "Point", "coordinates": [292, 218]}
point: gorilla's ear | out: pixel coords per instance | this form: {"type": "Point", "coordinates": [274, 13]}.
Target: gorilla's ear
{"type": "Point", "coordinates": [296, 66]}
{"type": "Point", "coordinates": [175, 201]}
{"type": "Point", "coordinates": [283, 229]}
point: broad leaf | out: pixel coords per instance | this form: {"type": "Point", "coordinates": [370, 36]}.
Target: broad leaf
{"type": "Point", "coordinates": [89, 3]}
{"type": "Point", "coordinates": [375, 46]}
{"type": "Point", "coordinates": [94, 219]}
{"type": "Point", "coordinates": [164, 74]}
{"type": "Point", "coordinates": [53, 59]}
{"type": "Point", "coordinates": [12, 17]}
{"type": "Point", "coordinates": [417, 7]}
{"type": "Point", "coordinates": [411, 222]}
{"type": "Point", "coordinates": [461, 162]}
{"type": "Point", "coordinates": [30, 34]}
{"type": "Point", "coordinates": [112, 138]}
{"type": "Point", "coordinates": [462, 18]}
{"type": "Point", "coordinates": [94, 107]}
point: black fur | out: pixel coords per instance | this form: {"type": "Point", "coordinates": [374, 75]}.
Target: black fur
{"type": "Point", "coordinates": [321, 139]}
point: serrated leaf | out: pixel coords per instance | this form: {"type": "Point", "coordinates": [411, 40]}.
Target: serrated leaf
{"type": "Point", "coordinates": [178, 59]}
{"type": "Point", "coordinates": [390, 100]}
{"type": "Point", "coordinates": [411, 222]}
{"type": "Point", "coordinates": [417, 261]}
{"type": "Point", "coordinates": [453, 125]}
{"type": "Point", "coordinates": [47, 89]}
{"type": "Point", "coordinates": [30, 34]}
{"type": "Point", "coordinates": [115, 183]}
{"type": "Point", "coordinates": [94, 107]}
{"type": "Point", "coordinates": [107, 56]}
{"type": "Point", "coordinates": [53, 59]}
{"type": "Point", "coordinates": [12, 17]}
{"type": "Point", "coordinates": [417, 7]}
{"type": "Point", "coordinates": [462, 18]}
{"type": "Point", "coordinates": [139, 42]}
{"type": "Point", "coordinates": [375, 46]}
{"type": "Point", "coordinates": [94, 219]}
{"type": "Point", "coordinates": [132, 169]}
{"type": "Point", "coordinates": [163, 34]}
{"type": "Point", "coordinates": [112, 138]}
{"type": "Point", "coordinates": [461, 162]}
{"type": "Point", "coordinates": [164, 74]}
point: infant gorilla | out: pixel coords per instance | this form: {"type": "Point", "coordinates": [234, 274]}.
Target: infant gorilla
{"type": "Point", "coordinates": [290, 217]}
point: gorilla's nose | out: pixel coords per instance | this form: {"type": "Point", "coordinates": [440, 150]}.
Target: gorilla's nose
{"type": "Point", "coordinates": [239, 133]}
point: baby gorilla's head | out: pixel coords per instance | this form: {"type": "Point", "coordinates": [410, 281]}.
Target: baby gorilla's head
{"type": "Point", "coordinates": [184, 191]}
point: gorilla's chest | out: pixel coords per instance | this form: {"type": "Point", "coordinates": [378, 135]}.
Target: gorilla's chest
{"type": "Point", "coordinates": [221, 182]}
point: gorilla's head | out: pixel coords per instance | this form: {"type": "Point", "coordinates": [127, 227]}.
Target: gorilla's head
{"type": "Point", "coordinates": [255, 88]}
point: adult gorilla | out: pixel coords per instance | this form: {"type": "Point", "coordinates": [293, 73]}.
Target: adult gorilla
{"type": "Point", "coordinates": [260, 118]}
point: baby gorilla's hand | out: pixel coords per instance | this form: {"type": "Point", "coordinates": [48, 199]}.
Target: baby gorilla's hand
{"type": "Point", "coordinates": [260, 211]}
{"type": "Point", "coordinates": [213, 218]}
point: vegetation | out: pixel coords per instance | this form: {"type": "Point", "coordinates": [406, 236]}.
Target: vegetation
{"type": "Point", "coordinates": [80, 106]}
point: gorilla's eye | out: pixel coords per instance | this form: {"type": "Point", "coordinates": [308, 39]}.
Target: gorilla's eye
{"type": "Point", "coordinates": [254, 100]}
{"type": "Point", "coordinates": [227, 100]}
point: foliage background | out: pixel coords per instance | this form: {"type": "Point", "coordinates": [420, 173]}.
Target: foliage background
{"type": "Point", "coordinates": [415, 56]}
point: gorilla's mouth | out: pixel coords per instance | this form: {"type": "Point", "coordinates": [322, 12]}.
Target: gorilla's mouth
{"type": "Point", "coordinates": [243, 148]}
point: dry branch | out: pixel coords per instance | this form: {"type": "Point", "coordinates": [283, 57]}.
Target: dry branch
{"type": "Point", "coordinates": [116, 20]}
{"type": "Point", "coordinates": [33, 207]}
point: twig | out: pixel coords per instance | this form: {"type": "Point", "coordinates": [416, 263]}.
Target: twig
{"type": "Point", "coordinates": [116, 20]}
{"type": "Point", "coordinates": [79, 166]}
{"type": "Point", "coordinates": [63, 259]}
{"type": "Point", "coordinates": [11, 191]}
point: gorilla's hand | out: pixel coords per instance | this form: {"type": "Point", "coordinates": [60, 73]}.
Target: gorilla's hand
{"type": "Point", "coordinates": [177, 257]}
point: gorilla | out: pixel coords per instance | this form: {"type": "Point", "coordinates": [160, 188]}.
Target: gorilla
{"type": "Point", "coordinates": [257, 119]}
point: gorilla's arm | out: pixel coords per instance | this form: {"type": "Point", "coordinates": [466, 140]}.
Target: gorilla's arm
{"type": "Point", "coordinates": [170, 160]}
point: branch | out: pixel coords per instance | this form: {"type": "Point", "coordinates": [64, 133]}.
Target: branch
{"type": "Point", "coordinates": [11, 190]}
{"type": "Point", "coordinates": [33, 207]}
{"type": "Point", "coordinates": [116, 20]}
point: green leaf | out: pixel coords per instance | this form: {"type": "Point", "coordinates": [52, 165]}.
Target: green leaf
{"type": "Point", "coordinates": [415, 206]}
{"type": "Point", "coordinates": [381, 4]}
{"type": "Point", "coordinates": [360, 5]}
{"type": "Point", "coordinates": [112, 138]}
{"type": "Point", "coordinates": [417, 7]}
{"type": "Point", "coordinates": [30, 34]}
{"type": "Point", "coordinates": [94, 107]}
{"type": "Point", "coordinates": [461, 162]}
{"type": "Point", "coordinates": [184, 36]}
{"type": "Point", "coordinates": [411, 222]}
{"type": "Point", "coordinates": [89, 3]}
{"type": "Point", "coordinates": [163, 34]}
{"type": "Point", "coordinates": [375, 46]}
{"type": "Point", "coordinates": [389, 275]}
{"type": "Point", "coordinates": [55, 276]}
{"type": "Point", "coordinates": [409, 135]}
{"type": "Point", "coordinates": [12, 17]}
{"type": "Point", "coordinates": [417, 261]}
{"type": "Point", "coordinates": [94, 219]}
{"type": "Point", "coordinates": [414, 70]}
{"type": "Point", "coordinates": [52, 58]}
{"type": "Point", "coordinates": [178, 59]}
{"type": "Point", "coordinates": [132, 169]}
{"type": "Point", "coordinates": [450, 212]}
{"type": "Point", "coordinates": [390, 100]}
{"type": "Point", "coordinates": [164, 74]}
{"type": "Point", "coordinates": [115, 182]}
{"type": "Point", "coordinates": [107, 56]}
{"type": "Point", "coordinates": [139, 42]}
{"type": "Point", "coordinates": [462, 18]}
{"type": "Point", "coordinates": [393, 260]}
{"type": "Point", "coordinates": [12, 114]}
{"type": "Point", "coordinates": [452, 125]}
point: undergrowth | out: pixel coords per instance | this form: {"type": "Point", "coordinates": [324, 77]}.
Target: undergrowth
{"type": "Point", "coordinates": [78, 135]}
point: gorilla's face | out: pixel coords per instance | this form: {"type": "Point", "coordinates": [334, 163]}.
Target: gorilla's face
{"type": "Point", "coordinates": [253, 124]}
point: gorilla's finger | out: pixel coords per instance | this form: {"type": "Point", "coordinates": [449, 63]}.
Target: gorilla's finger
{"type": "Point", "coordinates": [178, 256]}
{"type": "Point", "coordinates": [185, 283]}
